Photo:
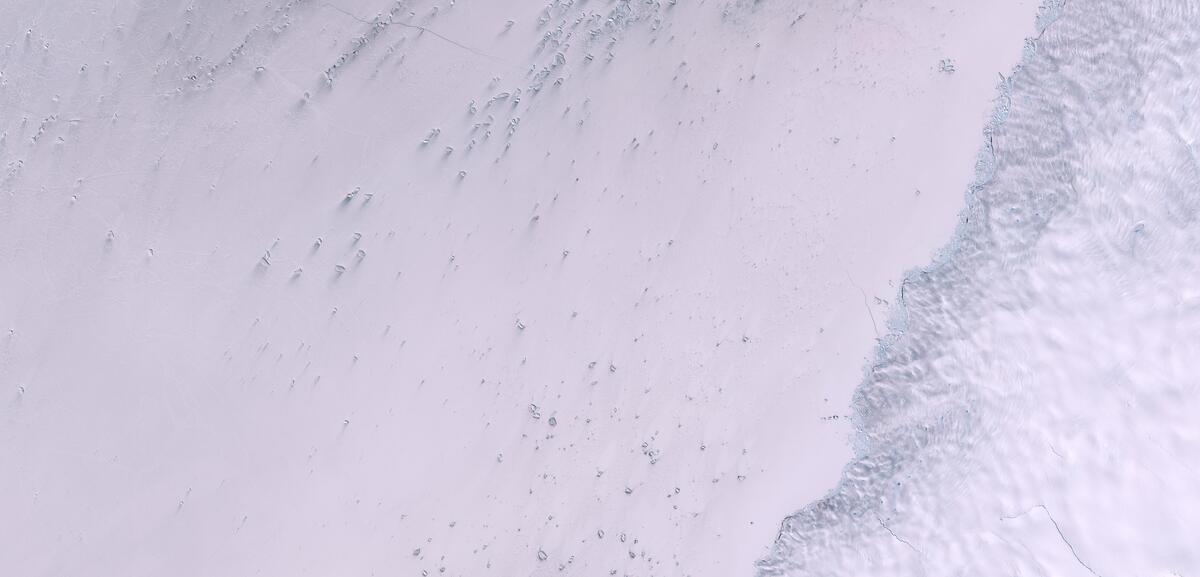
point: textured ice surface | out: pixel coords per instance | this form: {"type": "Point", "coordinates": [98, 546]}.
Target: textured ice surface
{"type": "Point", "coordinates": [1035, 413]}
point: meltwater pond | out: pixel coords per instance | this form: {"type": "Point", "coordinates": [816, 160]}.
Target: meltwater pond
{"type": "Point", "coordinates": [1035, 412]}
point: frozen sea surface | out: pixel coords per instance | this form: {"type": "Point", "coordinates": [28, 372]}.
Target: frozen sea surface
{"type": "Point", "coordinates": [1035, 413]}
{"type": "Point", "coordinates": [368, 287]}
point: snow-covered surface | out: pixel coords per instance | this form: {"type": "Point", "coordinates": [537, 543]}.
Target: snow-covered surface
{"type": "Point", "coordinates": [370, 287]}
{"type": "Point", "coordinates": [1036, 412]}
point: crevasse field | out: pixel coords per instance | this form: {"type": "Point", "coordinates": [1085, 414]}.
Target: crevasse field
{"type": "Point", "coordinates": [599, 287]}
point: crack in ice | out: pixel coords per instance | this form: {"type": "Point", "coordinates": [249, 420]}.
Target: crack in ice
{"type": "Point", "coordinates": [1061, 535]}
{"type": "Point", "coordinates": [414, 26]}
{"type": "Point", "coordinates": [898, 538]}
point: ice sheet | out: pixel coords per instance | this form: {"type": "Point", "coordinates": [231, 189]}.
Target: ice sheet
{"type": "Point", "coordinates": [1034, 413]}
